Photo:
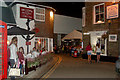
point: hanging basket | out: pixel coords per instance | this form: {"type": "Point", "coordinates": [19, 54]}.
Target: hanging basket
{"type": "Point", "coordinates": [104, 36]}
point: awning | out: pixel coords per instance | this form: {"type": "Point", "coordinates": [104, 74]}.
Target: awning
{"type": "Point", "coordinates": [75, 34]}
{"type": "Point", "coordinates": [18, 31]}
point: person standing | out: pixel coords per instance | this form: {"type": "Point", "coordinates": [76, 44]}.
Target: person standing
{"type": "Point", "coordinates": [55, 49]}
{"type": "Point", "coordinates": [98, 52]}
{"type": "Point", "coordinates": [78, 49]}
{"type": "Point", "coordinates": [21, 59]}
{"type": "Point", "coordinates": [89, 51]}
{"type": "Point", "coordinates": [13, 54]}
{"type": "Point", "coordinates": [63, 49]}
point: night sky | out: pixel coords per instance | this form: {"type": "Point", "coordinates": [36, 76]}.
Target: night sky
{"type": "Point", "coordinates": [73, 9]}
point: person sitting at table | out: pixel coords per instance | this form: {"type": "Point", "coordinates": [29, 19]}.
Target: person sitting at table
{"type": "Point", "coordinates": [35, 53]}
{"type": "Point", "coordinates": [43, 51]}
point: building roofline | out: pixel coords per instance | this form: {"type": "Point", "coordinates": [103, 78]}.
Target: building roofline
{"type": "Point", "coordinates": [31, 4]}
{"type": "Point", "coordinates": [68, 16]}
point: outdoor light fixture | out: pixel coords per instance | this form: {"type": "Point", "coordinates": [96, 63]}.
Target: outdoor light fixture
{"type": "Point", "coordinates": [8, 42]}
{"type": "Point", "coordinates": [86, 33]}
{"type": "Point", "coordinates": [39, 42]}
{"type": "Point", "coordinates": [51, 14]}
{"type": "Point", "coordinates": [113, 1]}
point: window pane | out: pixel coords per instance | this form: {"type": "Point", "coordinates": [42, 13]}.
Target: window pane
{"type": "Point", "coordinates": [97, 9]}
{"type": "Point", "coordinates": [97, 18]}
{"type": "Point", "coordinates": [40, 10]}
{"type": "Point", "coordinates": [40, 17]}
{"type": "Point", "coordinates": [101, 8]}
{"type": "Point", "coordinates": [40, 14]}
{"type": "Point", "coordinates": [37, 10]}
{"type": "Point", "coordinates": [102, 17]}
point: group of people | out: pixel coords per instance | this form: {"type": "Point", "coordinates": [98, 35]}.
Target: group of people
{"type": "Point", "coordinates": [15, 57]}
{"type": "Point", "coordinates": [97, 50]}
{"type": "Point", "coordinates": [68, 49]}
{"type": "Point", "coordinates": [35, 53]}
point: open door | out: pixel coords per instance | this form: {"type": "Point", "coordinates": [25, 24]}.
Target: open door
{"type": "Point", "coordinates": [3, 50]}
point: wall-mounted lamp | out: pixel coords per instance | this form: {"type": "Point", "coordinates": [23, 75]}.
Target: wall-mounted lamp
{"type": "Point", "coordinates": [39, 42]}
{"type": "Point", "coordinates": [86, 33]}
{"type": "Point", "coordinates": [113, 1]}
{"type": "Point", "coordinates": [109, 22]}
{"type": "Point", "coordinates": [8, 42]}
{"type": "Point", "coordinates": [51, 14]}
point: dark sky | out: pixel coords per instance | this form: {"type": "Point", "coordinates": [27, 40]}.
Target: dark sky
{"type": "Point", "coordinates": [73, 9]}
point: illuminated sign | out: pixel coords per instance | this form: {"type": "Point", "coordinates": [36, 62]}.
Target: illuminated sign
{"type": "Point", "coordinates": [112, 11]}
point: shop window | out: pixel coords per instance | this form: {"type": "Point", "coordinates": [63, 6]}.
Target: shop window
{"type": "Point", "coordinates": [42, 43]}
{"type": "Point", "coordinates": [99, 13]}
{"type": "Point", "coordinates": [83, 16]}
{"type": "Point", "coordinates": [40, 14]}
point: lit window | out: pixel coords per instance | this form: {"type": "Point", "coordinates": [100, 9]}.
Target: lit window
{"type": "Point", "coordinates": [40, 14]}
{"type": "Point", "coordinates": [99, 13]}
{"type": "Point", "coordinates": [83, 16]}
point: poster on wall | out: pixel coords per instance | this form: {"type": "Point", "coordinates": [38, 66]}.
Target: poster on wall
{"type": "Point", "coordinates": [26, 13]}
{"type": "Point", "coordinates": [112, 11]}
{"type": "Point", "coordinates": [113, 38]}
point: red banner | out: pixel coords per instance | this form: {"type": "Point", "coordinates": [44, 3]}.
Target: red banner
{"type": "Point", "coordinates": [27, 13]}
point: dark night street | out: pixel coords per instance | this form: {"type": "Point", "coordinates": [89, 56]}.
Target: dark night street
{"type": "Point", "coordinates": [79, 68]}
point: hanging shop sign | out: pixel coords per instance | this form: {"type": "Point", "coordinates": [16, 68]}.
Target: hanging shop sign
{"type": "Point", "coordinates": [26, 13]}
{"type": "Point", "coordinates": [112, 11]}
{"type": "Point", "coordinates": [112, 37]}
{"type": "Point", "coordinates": [28, 43]}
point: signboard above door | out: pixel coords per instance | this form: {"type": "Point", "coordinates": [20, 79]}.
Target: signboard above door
{"type": "Point", "coordinates": [26, 13]}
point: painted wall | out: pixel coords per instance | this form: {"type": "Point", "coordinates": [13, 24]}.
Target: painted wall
{"type": "Point", "coordinates": [66, 24]}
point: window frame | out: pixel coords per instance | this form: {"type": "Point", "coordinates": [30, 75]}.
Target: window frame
{"type": "Point", "coordinates": [94, 13]}
{"type": "Point", "coordinates": [39, 14]}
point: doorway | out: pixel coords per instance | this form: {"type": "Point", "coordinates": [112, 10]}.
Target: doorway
{"type": "Point", "coordinates": [96, 37]}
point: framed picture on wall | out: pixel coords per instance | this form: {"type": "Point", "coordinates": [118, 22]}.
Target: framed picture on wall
{"type": "Point", "coordinates": [112, 37]}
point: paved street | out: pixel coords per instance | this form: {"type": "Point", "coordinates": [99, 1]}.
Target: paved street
{"type": "Point", "coordinates": [78, 68]}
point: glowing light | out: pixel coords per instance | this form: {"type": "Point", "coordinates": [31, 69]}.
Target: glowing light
{"type": "Point", "coordinates": [113, 1]}
{"type": "Point", "coordinates": [86, 33]}
{"type": "Point", "coordinates": [99, 22]}
{"type": "Point", "coordinates": [39, 42]}
{"type": "Point", "coordinates": [51, 14]}
{"type": "Point", "coordinates": [8, 42]}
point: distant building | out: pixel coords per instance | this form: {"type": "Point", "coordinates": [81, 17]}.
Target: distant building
{"type": "Point", "coordinates": [101, 25]}
{"type": "Point", "coordinates": [64, 25]}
